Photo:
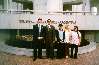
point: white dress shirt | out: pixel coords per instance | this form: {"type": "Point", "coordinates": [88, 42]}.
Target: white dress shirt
{"type": "Point", "coordinates": [60, 34]}
{"type": "Point", "coordinates": [39, 25]}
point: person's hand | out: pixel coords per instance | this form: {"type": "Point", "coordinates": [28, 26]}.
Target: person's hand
{"type": "Point", "coordinates": [61, 41]}
{"type": "Point", "coordinates": [78, 45]}
{"type": "Point", "coordinates": [58, 42]}
{"type": "Point", "coordinates": [69, 42]}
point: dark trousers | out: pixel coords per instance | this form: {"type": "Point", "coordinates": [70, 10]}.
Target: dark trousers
{"type": "Point", "coordinates": [67, 45]}
{"type": "Point", "coordinates": [35, 46]}
{"type": "Point", "coordinates": [50, 50]}
{"type": "Point", "coordinates": [38, 45]}
{"type": "Point", "coordinates": [61, 50]}
{"type": "Point", "coordinates": [73, 46]}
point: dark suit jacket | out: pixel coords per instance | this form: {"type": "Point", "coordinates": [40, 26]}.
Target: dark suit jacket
{"type": "Point", "coordinates": [50, 34]}
{"type": "Point", "coordinates": [36, 31]}
{"type": "Point", "coordinates": [57, 36]}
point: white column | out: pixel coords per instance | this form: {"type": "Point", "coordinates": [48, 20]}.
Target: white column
{"type": "Point", "coordinates": [86, 5]}
{"type": "Point", "coordinates": [14, 6]}
{"type": "Point", "coordinates": [10, 4]}
{"type": "Point", "coordinates": [5, 4]}
{"type": "Point", "coordinates": [1, 4]}
{"type": "Point", "coordinates": [20, 6]}
{"type": "Point", "coordinates": [17, 6]}
{"type": "Point", "coordinates": [54, 5]}
{"type": "Point", "coordinates": [77, 8]}
{"type": "Point", "coordinates": [39, 6]}
{"type": "Point", "coordinates": [94, 10]}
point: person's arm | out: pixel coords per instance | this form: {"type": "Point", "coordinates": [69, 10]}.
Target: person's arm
{"type": "Point", "coordinates": [44, 29]}
{"type": "Point", "coordinates": [70, 36]}
{"type": "Point", "coordinates": [57, 35]}
{"type": "Point", "coordinates": [63, 36]}
{"type": "Point", "coordinates": [33, 30]}
{"type": "Point", "coordinates": [79, 37]}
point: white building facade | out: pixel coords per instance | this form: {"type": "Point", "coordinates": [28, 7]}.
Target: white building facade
{"type": "Point", "coordinates": [58, 10]}
{"type": "Point", "coordinates": [46, 5]}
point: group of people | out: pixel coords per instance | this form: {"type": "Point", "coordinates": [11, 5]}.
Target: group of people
{"type": "Point", "coordinates": [48, 35]}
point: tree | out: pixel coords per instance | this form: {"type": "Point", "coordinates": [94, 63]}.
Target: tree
{"type": "Point", "coordinates": [94, 2]}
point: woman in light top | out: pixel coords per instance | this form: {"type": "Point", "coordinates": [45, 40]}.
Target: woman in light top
{"type": "Point", "coordinates": [67, 40]}
{"type": "Point", "coordinates": [75, 41]}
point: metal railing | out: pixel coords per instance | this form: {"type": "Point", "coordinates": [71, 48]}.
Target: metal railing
{"type": "Point", "coordinates": [3, 11]}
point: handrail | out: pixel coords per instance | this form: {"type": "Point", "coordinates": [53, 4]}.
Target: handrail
{"type": "Point", "coordinates": [48, 12]}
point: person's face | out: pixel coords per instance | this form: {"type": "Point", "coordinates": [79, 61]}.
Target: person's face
{"type": "Point", "coordinates": [66, 27]}
{"type": "Point", "coordinates": [49, 23]}
{"type": "Point", "coordinates": [39, 21]}
{"type": "Point", "coordinates": [60, 27]}
{"type": "Point", "coordinates": [75, 29]}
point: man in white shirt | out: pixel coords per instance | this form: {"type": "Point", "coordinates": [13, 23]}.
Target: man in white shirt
{"type": "Point", "coordinates": [60, 39]}
{"type": "Point", "coordinates": [38, 38]}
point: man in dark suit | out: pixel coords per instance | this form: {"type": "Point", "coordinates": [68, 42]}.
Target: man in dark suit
{"type": "Point", "coordinates": [38, 38]}
{"type": "Point", "coordinates": [50, 39]}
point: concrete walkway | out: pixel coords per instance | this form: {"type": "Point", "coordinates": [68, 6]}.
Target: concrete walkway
{"type": "Point", "coordinates": [29, 52]}
{"type": "Point", "coordinates": [89, 55]}
{"type": "Point", "coordinates": [91, 58]}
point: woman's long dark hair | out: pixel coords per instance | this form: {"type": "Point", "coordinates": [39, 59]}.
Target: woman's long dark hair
{"type": "Point", "coordinates": [77, 30]}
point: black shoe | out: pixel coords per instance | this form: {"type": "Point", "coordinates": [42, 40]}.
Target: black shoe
{"type": "Point", "coordinates": [34, 59]}
{"type": "Point", "coordinates": [40, 57]}
{"type": "Point", "coordinates": [51, 58]}
{"type": "Point", "coordinates": [71, 56]}
{"type": "Point", "coordinates": [75, 56]}
{"type": "Point", "coordinates": [48, 56]}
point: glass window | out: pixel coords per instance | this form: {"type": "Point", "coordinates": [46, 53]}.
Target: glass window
{"type": "Point", "coordinates": [1, 4]}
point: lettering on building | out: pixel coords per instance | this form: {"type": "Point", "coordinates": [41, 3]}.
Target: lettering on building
{"type": "Point", "coordinates": [55, 22]}
{"type": "Point", "coordinates": [25, 21]}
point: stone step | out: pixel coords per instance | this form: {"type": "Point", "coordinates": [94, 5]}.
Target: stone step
{"type": "Point", "coordinates": [29, 52]}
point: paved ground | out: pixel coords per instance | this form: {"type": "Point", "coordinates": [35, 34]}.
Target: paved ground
{"type": "Point", "coordinates": [91, 58]}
